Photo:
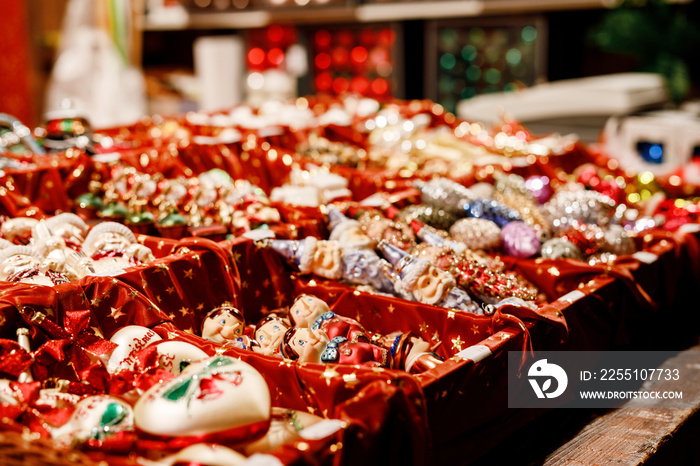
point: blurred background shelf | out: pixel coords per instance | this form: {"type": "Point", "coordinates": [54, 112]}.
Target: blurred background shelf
{"type": "Point", "coordinates": [446, 50]}
{"type": "Point", "coordinates": [368, 12]}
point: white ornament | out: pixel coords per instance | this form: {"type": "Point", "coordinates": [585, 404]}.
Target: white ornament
{"type": "Point", "coordinates": [218, 395]}
{"type": "Point", "coordinates": [174, 356]}
{"type": "Point", "coordinates": [204, 453]}
{"type": "Point", "coordinates": [95, 417]}
{"type": "Point", "coordinates": [130, 340]}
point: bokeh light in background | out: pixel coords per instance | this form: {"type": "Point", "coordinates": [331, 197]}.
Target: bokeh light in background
{"type": "Point", "coordinates": [475, 59]}
{"type": "Point", "coordinates": [267, 47]}
{"type": "Point", "coordinates": [358, 60]}
{"type": "Point", "coordinates": [256, 58]}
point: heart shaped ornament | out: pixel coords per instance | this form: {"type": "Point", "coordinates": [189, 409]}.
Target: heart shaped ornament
{"type": "Point", "coordinates": [219, 399]}
{"type": "Point", "coordinates": [95, 417]}
{"type": "Point", "coordinates": [174, 356]}
{"type": "Point", "coordinates": [130, 340]}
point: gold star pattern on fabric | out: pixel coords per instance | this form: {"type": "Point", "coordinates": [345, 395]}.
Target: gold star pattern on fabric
{"type": "Point", "coordinates": [436, 336]}
{"type": "Point", "coordinates": [183, 310]}
{"type": "Point", "coordinates": [96, 301]}
{"type": "Point", "coordinates": [158, 298]}
{"type": "Point", "coordinates": [350, 380]}
{"type": "Point", "coordinates": [450, 314]}
{"type": "Point", "coordinates": [457, 343]}
{"type": "Point", "coordinates": [279, 297]}
{"type": "Point", "coordinates": [48, 311]}
{"type": "Point", "coordinates": [390, 309]}
{"type": "Point", "coordinates": [200, 306]}
{"type": "Point", "coordinates": [457, 358]}
{"type": "Point", "coordinates": [133, 293]}
{"type": "Point", "coordinates": [220, 350]}
{"type": "Point", "coordinates": [97, 332]}
{"type": "Point", "coordinates": [244, 284]}
{"type": "Point", "coordinates": [553, 271]}
{"type": "Point", "coordinates": [162, 267]}
{"type": "Point", "coordinates": [266, 283]}
{"type": "Point", "coordinates": [170, 289]}
{"type": "Point", "coordinates": [475, 329]}
{"type": "Point", "coordinates": [172, 315]}
{"type": "Point", "coordinates": [329, 374]}
{"type": "Point", "coordinates": [504, 336]}
{"type": "Point", "coordinates": [115, 312]}
{"type": "Point", "coordinates": [172, 335]}
{"type": "Point", "coordinates": [189, 274]}
{"type": "Point", "coordinates": [144, 283]}
{"type": "Point", "coordinates": [160, 245]}
{"type": "Point", "coordinates": [264, 310]}
{"type": "Point", "coordinates": [196, 257]}
{"type": "Point", "coordinates": [423, 327]}
{"type": "Point", "coordinates": [236, 256]}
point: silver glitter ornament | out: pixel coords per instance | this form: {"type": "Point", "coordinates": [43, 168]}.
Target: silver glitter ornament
{"type": "Point", "coordinates": [569, 207]}
{"type": "Point", "coordinates": [433, 216]}
{"type": "Point", "coordinates": [446, 194]}
{"type": "Point", "coordinates": [476, 233]}
{"type": "Point", "coordinates": [511, 184]}
{"type": "Point", "coordinates": [617, 241]}
{"type": "Point", "coordinates": [559, 248]}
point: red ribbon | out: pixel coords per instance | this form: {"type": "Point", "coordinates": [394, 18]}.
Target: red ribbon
{"type": "Point", "coordinates": [503, 316]}
{"type": "Point", "coordinates": [77, 346]}
{"type": "Point", "coordinates": [13, 358]}
{"type": "Point", "coordinates": [146, 373]}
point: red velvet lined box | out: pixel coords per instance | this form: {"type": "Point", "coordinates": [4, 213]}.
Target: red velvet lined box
{"type": "Point", "coordinates": [69, 323]}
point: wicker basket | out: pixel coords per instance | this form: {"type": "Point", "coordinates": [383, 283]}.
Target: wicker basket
{"type": "Point", "coordinates": [24, 449]}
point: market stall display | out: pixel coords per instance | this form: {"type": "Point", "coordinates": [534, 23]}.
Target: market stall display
{"type": "Point", "coordinates": [163, 274]}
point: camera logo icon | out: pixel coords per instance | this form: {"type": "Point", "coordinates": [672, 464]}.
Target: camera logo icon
{"type": "Point", "coordinates": [546, 372]}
